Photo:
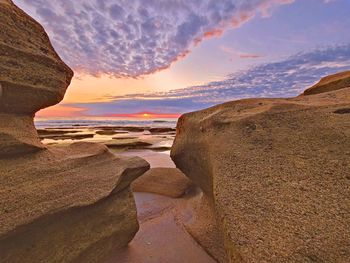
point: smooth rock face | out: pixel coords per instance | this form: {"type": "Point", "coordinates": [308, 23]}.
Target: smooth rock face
{"type": "Point", "coordinates": [164, 181]}
{"type": "Point", "coordinates": [277, 172]}
{"type": "Point", "coordinates": [74, 203]}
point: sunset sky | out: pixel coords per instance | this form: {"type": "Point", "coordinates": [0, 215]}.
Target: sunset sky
{"type": "Point", "coordinates": [166, 57]}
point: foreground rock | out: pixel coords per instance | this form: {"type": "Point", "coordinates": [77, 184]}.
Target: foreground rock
{"type": "Point", "coordinates": [277, 174]}
{"type": "Point", "coordinates": [74, 203]}
{"type": "Point", "coordinates": [57, 204]}
{"type": "Point", "coordinates": [163, 181]}
{"type": "Point", "coordinates": [32, 77]}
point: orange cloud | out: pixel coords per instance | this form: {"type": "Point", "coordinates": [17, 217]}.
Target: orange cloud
{"type": "Point", "coordinates": [213, 33]}
{"type": "Point", "coordinates": [144, 115]}
{"type": "Point", "coordinates": [61, 111]}
{"type": "Point", "coordinates": [246, 55]}
{"type": "Point", "coordinates": [236, 53]}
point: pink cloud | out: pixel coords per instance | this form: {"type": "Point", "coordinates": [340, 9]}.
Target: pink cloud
{"type": "Point", "coordinates": [131, 38]}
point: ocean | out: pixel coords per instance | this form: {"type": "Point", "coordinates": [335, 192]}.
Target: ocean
{"type": "Point", "coordinates": [41, 123]}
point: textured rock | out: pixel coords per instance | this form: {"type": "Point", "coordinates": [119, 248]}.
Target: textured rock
{"type": "Point", "coordinates": [32, 77]}
{"type": "Point", "coordinates": [164, 181]}
{"type": "Point", "coordinates": [204, 228]}
{"type": "Point", "coordinates": [57, 204]}
{"type": "Point", "coordinates": [277, 172]}
{"type": "Point", "coordinates": [330, 83]}
{"type": "Point", "coordinates": [18, 135]}
{"type": "Point", "coordinates": [74, 203]}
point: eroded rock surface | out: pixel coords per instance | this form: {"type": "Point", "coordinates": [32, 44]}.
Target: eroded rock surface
{"type": "Point", "coordinates": [67, 204]}
{"type": "Point", "coordinates": [57, 204]}
{"type": "Point", "coordinates": [32, 77]}
{"type": "Point", "coordinates": [277, 172]}
{"type": "Point", "coordinates": [164, 181]}
{"type": "Point", "coordinates": [330, 83]}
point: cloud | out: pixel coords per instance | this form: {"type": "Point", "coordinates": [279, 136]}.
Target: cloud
{"type": "Point", "coordinates": [238, 54]}
{"type": "Point", "coordinates": [130, 38]}
{"type": "Point", "coordinates": [285, 78]}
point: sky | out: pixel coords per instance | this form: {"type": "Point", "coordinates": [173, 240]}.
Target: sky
{"type": "Point", "coordinates": [167, 57]}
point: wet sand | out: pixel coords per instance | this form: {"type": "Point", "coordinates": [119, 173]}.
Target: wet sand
{"type": "Point", "coordinates": [162, 237]}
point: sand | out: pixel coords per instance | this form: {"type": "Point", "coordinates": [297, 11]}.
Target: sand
{"type": "Point", "coordinates": [162, 237]}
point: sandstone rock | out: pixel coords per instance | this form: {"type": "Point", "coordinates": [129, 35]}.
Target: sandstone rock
{"type": "Point", "coordinates": [67, 204]}
{"type": "Point", "coordinates": [18, 135]}
{"type": "Point", "coordinates": [164, 181]}
{"type": "Point", "coordinates": [57, 204]}
{"type": "Point", "coordinates": [32, 77]}
{"type": "Point", "coordinates": [276, 171]}
{"type": "Point", "coordinates": [330, 83]}
{"type": "Point", "coordinates": [204, 228]}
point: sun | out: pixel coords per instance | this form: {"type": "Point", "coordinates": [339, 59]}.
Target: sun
{"type": "Point", "coordinates": [145, 115]}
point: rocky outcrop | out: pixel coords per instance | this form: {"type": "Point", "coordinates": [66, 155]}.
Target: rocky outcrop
{"type": "Point", "coordinates": [32, 77]}
{"type": "Point", "coordinates": [67, 204]}
{"type": "Point", "coordinates": [57, 204]}
{"type": "Point", "coordinates": [277, 174]}
{"type": "Point", "coordinates": [163, 181]}
{"type": "Point", "coordinates": [330, 83]}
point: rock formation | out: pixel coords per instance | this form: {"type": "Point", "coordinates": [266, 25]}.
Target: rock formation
{"type": "Point", "coordinates": [57, 204]}
{"type": "Point", "coordinates": [163, 181]}
{"type": "Point", "coordinates": [276, 174]}
{"type": "Point", "coordinates": [32, 77]}
{"type": "Point", "coordinates": [330, 83]}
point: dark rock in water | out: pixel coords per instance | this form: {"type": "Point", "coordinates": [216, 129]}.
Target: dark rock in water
{"type": "Point", "coordinates": [69, 136]}
{"type": "Point", "coordinates": [123, 128]}
{"type": "Point", "coordinates": [125, 138]}
{"type": "Point", "coordinates": [63, 134]}
{"type": "Point", "coordinates": [106, 132]}
{"type": "Point", "coordinates": [161, 130]}
{"type": "Point", "coordinates": [159, 121]}
{"type": "Point", "coordinates": [275, 172]}
{"type": "Point", "coordinates": [127, 144]}
{"type": "Point", "coordinates": [52, 132]}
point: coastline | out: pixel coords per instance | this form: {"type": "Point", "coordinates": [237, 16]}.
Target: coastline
{"type": "Point", "coordinates": [156, 213]}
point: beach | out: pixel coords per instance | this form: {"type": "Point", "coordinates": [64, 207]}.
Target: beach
{"type": "Point", "coordinates": [152, 141]}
